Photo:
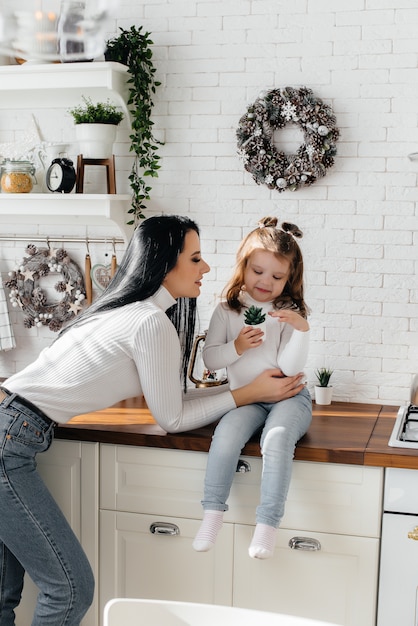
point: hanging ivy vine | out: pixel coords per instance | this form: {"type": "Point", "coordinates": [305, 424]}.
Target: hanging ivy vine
{"type": "Point", "coordinates": [132, 48]}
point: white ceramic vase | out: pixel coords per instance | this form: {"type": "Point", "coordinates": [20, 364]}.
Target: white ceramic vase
{"type": "Point", "coordinates": [96, 140]}
{"type": "Point", "coordinates": [323, 395]}
{"type": "Point", "coordinates": [262, 326]}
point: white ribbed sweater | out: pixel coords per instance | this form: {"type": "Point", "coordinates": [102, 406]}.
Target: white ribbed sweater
{"type": "Point", "coordinates": [117, 355]}
{"type": "Point", "coordinates": [284, 347]}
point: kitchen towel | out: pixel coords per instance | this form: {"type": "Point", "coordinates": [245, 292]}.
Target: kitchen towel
{"type": "Point", "coordinates": [7, 339]}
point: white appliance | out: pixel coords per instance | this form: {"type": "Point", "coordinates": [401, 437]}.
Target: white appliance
{"type": "Point", "coordinates": [405, 430]}
{"type": "Point", "coordinates": [398, 580]}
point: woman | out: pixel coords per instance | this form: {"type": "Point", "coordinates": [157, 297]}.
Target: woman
{"type": "Point", "coordinates": [122, 346]}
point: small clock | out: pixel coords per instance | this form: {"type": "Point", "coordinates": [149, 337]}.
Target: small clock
{"type": "Point", "coordinates": [61, 176]}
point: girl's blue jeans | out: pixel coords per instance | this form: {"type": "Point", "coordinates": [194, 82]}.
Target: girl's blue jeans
{"type": "Point", "coordinates": [282, 424]}
{"type": "Point", "coordinates": [34, 534]}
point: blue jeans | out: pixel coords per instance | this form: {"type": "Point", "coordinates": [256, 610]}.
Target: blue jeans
{"type": "Point", "coordinates": [34, 534]}
{"type": "Point", "coordinates": [283, 424]}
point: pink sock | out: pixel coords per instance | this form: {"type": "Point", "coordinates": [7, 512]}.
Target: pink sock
{"type": "Point", "coordinates": [208, 531]}
{"type": "Point", "coordinates": [263, 541]}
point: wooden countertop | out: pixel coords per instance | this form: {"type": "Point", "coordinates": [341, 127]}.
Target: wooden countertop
{"type": "Point", "coordinates": [343, 432]}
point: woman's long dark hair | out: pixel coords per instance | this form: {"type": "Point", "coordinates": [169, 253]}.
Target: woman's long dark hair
{"type": "Point", "coordinates": [151, 253]}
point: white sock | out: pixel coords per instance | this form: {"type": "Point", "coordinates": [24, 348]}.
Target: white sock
{"type": "Point", "coordinates": [263, 541]}
{"type": "Point", "coordinates": [208, 531]}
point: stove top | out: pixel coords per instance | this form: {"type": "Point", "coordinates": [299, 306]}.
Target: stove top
{"type": "Point", "coordinates": [405, 430]}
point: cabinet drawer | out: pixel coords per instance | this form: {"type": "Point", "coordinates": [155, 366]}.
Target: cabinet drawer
{"type": "Point", "coordinates": [154, 481]}
{"type": "Point", "coordinates": [139, 563]}
{"type": "Point", "coordinates": [323, 497]}
{"type": "Point", "coordinates": [336, 582]}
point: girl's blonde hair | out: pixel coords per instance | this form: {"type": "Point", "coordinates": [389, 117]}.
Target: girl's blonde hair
{"type": "Point", "coordinates": [282, 243]}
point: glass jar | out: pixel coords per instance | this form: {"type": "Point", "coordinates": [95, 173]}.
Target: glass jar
{"type": "Point", "coordinates": [17, 176]}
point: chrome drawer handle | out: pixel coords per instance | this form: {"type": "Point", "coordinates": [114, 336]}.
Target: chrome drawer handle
{"type": "Point", "coordinates": [163, 528]}
{"type": "Point", "coordinates": [243, 467]}
{"type": "Point", "coordinates": [304, 543]}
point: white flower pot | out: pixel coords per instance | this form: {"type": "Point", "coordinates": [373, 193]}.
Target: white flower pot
{"type": "Point", "coordinates": [96, 140]}
{"type": "Point", "coordinates": [262, 326]}
{"type": "Point", "coordinates": [323, 395]}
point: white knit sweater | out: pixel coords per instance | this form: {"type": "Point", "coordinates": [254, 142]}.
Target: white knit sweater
{"type": "Point", "coordinates": [284, 347]}
{"type": "Point", "coordinates": [116, 355]}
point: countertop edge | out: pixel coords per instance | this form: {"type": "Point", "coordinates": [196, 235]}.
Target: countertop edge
{"type": "Point", "coordinates": [345, 433]}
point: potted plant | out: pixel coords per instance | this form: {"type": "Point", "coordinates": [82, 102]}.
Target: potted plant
{"type": "Point", "coordinates": [132, 48]}
{"type": "Point", "coordinates": [323, 390]}
{"type": "Point", "coordinates": [254, 316]}
{"type": "Point", "coordinates": [96, 125]}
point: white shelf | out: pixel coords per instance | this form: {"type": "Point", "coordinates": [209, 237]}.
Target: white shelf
{"type": "Point", "coordinates": [62, 84]}
{"type": "Point", "coordinates": [59, 85]}
{"type": "Point", "coordinates": [74, 208]}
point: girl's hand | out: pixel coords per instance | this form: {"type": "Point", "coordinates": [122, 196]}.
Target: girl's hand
{"type": "Point", "coordinates": [291, 317]}
{"type": "Point", "coordinates": [249, 337]}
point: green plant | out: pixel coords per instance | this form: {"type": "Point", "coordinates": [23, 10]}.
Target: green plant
{"type": "Point", "coordinates": [323, 375]}
{"type": "Point", "coordinates": [132, 48]}
{"type": "Point", "coordinates": [99, 113]}
{"type": "Point", "coordinates": [254, 315]}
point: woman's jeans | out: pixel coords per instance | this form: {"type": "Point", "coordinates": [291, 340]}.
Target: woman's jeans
{"type": "Point", "coordinates": [283, 424]}
{"type": "Point", "coordinates": [34, 534]}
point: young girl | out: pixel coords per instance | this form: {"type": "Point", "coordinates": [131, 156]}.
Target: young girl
{"type": "Point", "coordinates": [268, 275]}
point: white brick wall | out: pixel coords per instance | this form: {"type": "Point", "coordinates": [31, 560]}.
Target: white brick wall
{"type": "Point", "coordinates": [359, 222]}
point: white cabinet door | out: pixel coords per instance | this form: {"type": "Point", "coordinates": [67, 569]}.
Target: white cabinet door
{"type": "Point", "coordinates": [136, 562]}
{"type": "Point", "coordinates": [70, 471]}
{"type": "Point", "coordinates": [335, 583]}
{"type": "Point", "coordinates": [398, 585]}
{"type": "Point", "coordinates": [339, 504]}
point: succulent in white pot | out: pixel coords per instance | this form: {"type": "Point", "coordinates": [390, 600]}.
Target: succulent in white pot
{"type": "Point", "coordinates": [254, 316]}
{"type": "Point", "coordinates": [323, 390]}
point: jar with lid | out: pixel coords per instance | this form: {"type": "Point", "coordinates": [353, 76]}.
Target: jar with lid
{"type": "Point", "coordinates": [17, 176]}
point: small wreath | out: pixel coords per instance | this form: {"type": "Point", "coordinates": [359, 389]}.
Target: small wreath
{"type": "Point", "coordinates": [26, 293]}
{"type": "Point", "coordinates": [273, 110]}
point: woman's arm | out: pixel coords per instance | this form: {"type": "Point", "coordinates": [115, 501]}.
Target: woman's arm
{"type": "Point", "coordinates": [270, 386]}
{"type": "Point", "coordinates": [157, 358]}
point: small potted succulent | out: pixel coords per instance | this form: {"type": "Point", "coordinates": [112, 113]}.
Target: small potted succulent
{"type": "Point", "coordinates": [95, 127]}
{"type": "Point", "coordinates": [254, 316]}
{"type": "Point", "coordinates": [323, 390]}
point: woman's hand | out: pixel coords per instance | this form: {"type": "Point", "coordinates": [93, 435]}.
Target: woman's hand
{"type": "Point", "coordinates": [291, 317]}
{"type": "Point", "coordinates": [270, 386]}
{"type": "Point", "coordinates": [249, 337]}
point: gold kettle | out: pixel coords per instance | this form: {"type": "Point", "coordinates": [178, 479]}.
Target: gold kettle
{"type": "Point", "coordinates": [198, 373]}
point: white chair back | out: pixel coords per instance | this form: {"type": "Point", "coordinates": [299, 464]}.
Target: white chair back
{"type": "Point", "coordinates": [139, 612]}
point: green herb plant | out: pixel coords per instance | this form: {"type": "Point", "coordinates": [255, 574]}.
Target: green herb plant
{"type": "Point", "coordinates": [100, 113]}
{"type": "Point", "coordinates": [323, 375]}
{"type": "Point", "coordinates": [254, 315]}
{"type": "Point", "coordinates": [132, 48]}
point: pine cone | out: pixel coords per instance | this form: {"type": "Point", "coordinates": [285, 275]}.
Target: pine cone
{"type": "Point", "coordinates": [31, 249]}
{"type": "Point", "coordinates": [61, 286]}
{"type": "Point", "coordinates": [54, 325]}
{"type": "Point", "coordinates": [61, 254]}
{"type": "Point", "coordinates": [43, 270]}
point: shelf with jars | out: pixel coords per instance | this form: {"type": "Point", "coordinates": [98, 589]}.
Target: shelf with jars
{"type": "Point", "coordinates": [62, 85]}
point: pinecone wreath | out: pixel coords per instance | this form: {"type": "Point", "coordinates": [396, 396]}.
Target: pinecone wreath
{"type": "Point", "coordinates": [26, 293]}
{"type": "Point", "coordinates": [272, 111]}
